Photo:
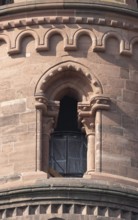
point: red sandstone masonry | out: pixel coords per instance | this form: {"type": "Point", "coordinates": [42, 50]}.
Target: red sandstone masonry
{"type": "Point", "coordinates": [102, 46]}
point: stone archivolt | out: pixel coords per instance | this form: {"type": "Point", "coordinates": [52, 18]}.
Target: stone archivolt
{"type": "Point", "coordinates": [88, 92]}
{"type": "Point", "coordinates": [70, 40]}
{"type": "Point", "coordinates": [89, 83]}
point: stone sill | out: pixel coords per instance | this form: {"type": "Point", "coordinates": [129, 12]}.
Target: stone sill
{"type": "Point", "coordinates": [93, 180]}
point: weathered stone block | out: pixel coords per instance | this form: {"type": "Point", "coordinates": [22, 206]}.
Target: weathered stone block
{"type": "Point", "coordinates": [132, 85]}
{"type": "Point", "coordinates": [13, 107]}
{"type": "Point", "coordinates": [124, 73]}
{"type": "Point", "coordinates": [128, 122]}
{"type": "Point", "coordinates": [9, 120]}
{"type": "Point", "coordinates": [111, 118]}
{"type": "Point", "coordinates": [129, 96]}
{"type": "Point", "coordinates": [28, 117]}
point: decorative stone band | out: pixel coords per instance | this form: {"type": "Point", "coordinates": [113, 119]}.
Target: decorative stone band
{"type": "Point", "coordinates": [73, 198]}
{"type": "Point", "coordinates": [67, 210]}
{"type": "Point", "coordinates": [70, 40]}
{"type": "Point", "coordinates": [66, 20]}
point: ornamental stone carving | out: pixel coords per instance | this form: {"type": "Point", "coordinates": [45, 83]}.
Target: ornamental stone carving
{"type": "Point", "coordinates": [86, 114]}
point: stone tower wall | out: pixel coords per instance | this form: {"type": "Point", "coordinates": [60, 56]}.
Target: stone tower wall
{"type": "Point", "coordinates": [107, 46]}
{"type": "Point", "coordinates": [89, 50]}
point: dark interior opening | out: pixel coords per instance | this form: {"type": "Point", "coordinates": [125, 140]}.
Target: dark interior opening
{"type": "Point", "coordinates": [67, 119]}
{"type": "Point", "coordinates": [4, 2]}
{"type": "Point", "coordinates": [68, 147]}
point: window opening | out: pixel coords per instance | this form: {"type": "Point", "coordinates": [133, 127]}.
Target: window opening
{"type": "Point", "coordinates": [67, 120]}
{"type": "Point", "coordinates": [4, 2]}
{"type": "Point", "coordinates": [68, 144]}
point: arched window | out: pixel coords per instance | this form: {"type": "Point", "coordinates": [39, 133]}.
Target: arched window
{"type": "Point", "coordinates": [69, 100]}
{"type": "Point", "coordinates": [68, 144]}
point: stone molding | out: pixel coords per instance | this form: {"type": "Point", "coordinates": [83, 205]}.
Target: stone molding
{"type": "Point", "coordinates": [79, 71]}
{"type": "Point", "coordinates": [22, 23]}
{"type": "Point", "coordinates": [70, 40]}
{"type": "Point", "coordinates": [114, 6]}
{"type": "Point", "coordinates": [63, 210]}
{"type": "Point", "coordinates": [97, 198]}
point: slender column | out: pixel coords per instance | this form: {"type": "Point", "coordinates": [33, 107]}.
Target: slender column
{"type": "Point", "coordinates": [88, 124]}
{"type": "Point", "coordinates": [89, 115]}
{"type": "Point", "coordinates": [98, 142]}
{"type": "Point", "coordinates": [48, 127]}
{"type": "Point", "coordinates": [46, 117]}
{"type": "Point", "coordinates": [38, 139]}
{"type": "Point", "coordinates": [40, 109]}
{"type": "Point", "coordinates": [91, 152]}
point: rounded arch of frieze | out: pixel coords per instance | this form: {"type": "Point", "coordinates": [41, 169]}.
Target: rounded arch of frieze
{"type": "Point", "coordinates": [116, 35]}
{"type": "Point", "coordinates": [132, 42]}
{"type": "Point", "coordinates": [18, 40]}
{"type": "Point", "coordinates": [52, 32]}
{"type": "Point", "coordinates": [82, 32]}
{"type": "Point", "coordinates": [6, 39]}
{"type": "Point", "coordinates": [68, 77]}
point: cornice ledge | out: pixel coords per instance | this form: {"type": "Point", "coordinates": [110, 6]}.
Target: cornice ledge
{"type": "Point", "coordinates": [66, 4]}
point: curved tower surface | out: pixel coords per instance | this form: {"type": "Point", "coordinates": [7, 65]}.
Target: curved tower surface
{"type": "Point", "coordinates": [69, 109]}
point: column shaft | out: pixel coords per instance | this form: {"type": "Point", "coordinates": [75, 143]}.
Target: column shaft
{"type": "Point", "coordinates": [38, 139]}
{"type": "Point", "coordinates": [91, 152]}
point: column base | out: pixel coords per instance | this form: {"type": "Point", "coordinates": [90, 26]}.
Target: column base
{"type": "Point", "coordinates": [89, 174]}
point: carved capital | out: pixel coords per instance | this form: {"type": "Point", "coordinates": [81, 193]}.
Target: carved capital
{"type": "Point", "coordinates": [53, 108]}
{"type": "Point", "coordinates": [96, 103]}
{"type": "Point", "coordinates": [99, 103]}
{"type": "Point", "coordinates": [85, 118]}
{"type": "Point", "coordinates": [41, 103]}
{"type": "Point", "coordinates": [87, 111]}
{"type": "Point", "coordinates": [88, 125]}
{"type": "Point", "coordinates": [50, 110]}
{"type": "Point", "coordinates": [48, 125]}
